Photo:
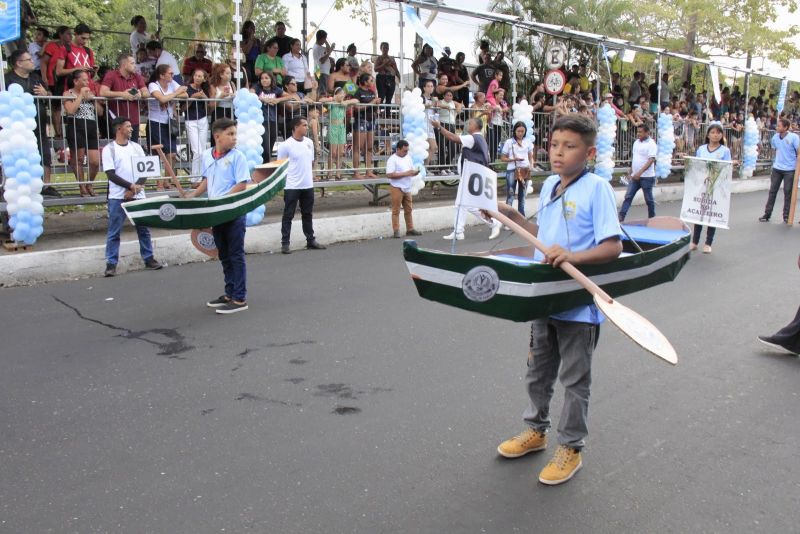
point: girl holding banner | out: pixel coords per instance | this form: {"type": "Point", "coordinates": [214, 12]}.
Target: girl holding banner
{"type": "Point", "coordinates": [714, 148]}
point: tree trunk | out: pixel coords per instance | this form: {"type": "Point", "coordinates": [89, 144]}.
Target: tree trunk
{"type": "Point", "coordinates": [374, 12]}
{"type": "Point", "coordinates": [691, 39]}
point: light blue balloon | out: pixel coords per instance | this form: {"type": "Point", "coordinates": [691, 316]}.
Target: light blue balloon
{"type": "Point", "coordinates": [16, 89]}
{"type": "Point", "coordinates": [23, 178]}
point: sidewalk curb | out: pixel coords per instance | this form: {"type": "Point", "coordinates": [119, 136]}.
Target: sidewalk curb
{"type": "Point", "coordinates": [83, 262]}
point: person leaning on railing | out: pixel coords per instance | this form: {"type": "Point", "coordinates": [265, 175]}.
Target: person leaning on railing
{"type": "Point", "coordinates": [221, 93]}
{"type": "Point", "coordinates": [197, 120]}
{"type": "Point", "coordinates": [270, 95]}
{"type": "Point", "coordinates": [126, 87]}
{"type": "Point", "coordinates": [82, 110]}
{"type": "Point", "coordinates": [337, 134]}
{"type": "Point", "coordinates": [164, 89]}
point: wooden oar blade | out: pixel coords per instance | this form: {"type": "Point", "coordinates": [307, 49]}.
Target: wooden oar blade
{"type": "Point", "coordinates": [639, 329]}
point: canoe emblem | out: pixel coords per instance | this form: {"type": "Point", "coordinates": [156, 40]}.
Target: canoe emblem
{"type": "Point", "coordinates": [167, 212]}
{"type": "Point", "coordinates": [206, 240]}
{"type": "Point", "coordinates": [480, 284]}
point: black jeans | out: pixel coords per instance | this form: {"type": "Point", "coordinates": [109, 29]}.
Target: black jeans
{"type": "Point", "coordinates": [445, 147]}
{"type": "Point", "coordinates": [268, 139]}
{"type": "Point", "coordinates": [385, 83]}
{"type": "Point", "coordinates": [775, 184]}
{"type": "Point", "coordinates": [290, 199]}
{"type": "Point", "coordinates": [698, 229]}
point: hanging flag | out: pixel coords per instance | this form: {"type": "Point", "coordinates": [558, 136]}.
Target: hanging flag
{"type": "Point", "coordinates": [715, 82]}
{"type": "Point", "coordinates": [9, 20]}
{"type": "Point", "coordinates": [782, 96]}
{"type": "Point", "coordinates": [423, 31]}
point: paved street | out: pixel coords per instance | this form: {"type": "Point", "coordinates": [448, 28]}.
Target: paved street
{"type": "Point", "coordinates": [343, 402]}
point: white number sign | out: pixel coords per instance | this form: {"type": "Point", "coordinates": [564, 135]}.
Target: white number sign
{"type": "Point", "coordinates": [556, 55]}
{"type": "Point", "coordinates": [478, 188]}
{"type": "Point", "coordinates": [145, 167]}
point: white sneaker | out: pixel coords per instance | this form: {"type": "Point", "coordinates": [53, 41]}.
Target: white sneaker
{"type": "Point", "coordinates": [496, 227]}
{"type": "Point", "coordinates": [459, 236]}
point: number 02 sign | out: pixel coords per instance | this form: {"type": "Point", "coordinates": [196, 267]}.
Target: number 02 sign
{"type": "Point", "coordinates": [478, 188]}
{"type": "Point", "coordinates": [146, 167]}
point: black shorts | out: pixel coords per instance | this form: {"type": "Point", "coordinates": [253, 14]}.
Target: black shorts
{"type": "Point", "coordinates": [159, 133]}
{"type": "Point", "coordinates": [81, 134]}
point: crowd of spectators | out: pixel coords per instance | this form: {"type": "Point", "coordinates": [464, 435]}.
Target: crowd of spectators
{"type": "Point", "coordinates": [344, 99]}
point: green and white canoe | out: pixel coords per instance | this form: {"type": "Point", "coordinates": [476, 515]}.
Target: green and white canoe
{"type": "Point", "coordinates": [191, 213]}
{"type": "Point", "coordinates": [508, 284]}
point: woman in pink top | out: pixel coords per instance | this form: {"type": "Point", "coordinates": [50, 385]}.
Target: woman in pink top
{"type": "Point", "coordinates": [494, 85]}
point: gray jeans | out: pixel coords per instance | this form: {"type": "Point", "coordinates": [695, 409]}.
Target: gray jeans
{"type": "Point", "coordinates": [561, 349]}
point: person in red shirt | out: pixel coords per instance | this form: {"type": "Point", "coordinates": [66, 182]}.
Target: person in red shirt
{"type": "Point", "coordinates": [77, 56]}
{"type": "Point", "coordinates": [126, 87]}
{"type": "Point", "coordinates": [50, 54]}
{"type": "Point", "coordinates": [197, 61]}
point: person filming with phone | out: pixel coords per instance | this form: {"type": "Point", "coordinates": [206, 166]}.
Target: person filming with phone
{"type": "Point", "coordinates": [125, 88]}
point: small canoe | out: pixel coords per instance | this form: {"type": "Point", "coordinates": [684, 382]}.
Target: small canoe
{"type": "Point", "coordinates": [509, 284]}
{"type": "Point", "coordinates": [191, 213]}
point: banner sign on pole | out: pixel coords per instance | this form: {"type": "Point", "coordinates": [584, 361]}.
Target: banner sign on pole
{"type": "Point", "coordinates": [715, 82]}
{"type": "Point", "coordinates": [9, 20]}
{"type": "Point", "coordinates": [423, 31]}
{"type": "Point", "coordinates": [707, 192]}
{"type": "Point", "coordinates": [478, 187]}
{"type": "Point", "coordinates": [782, 96]}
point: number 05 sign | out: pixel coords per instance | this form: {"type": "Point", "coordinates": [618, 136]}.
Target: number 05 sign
{"type": "Point", "coordinates": [478, 187]}
{"type": "Point", "coordinates": [145, 167]}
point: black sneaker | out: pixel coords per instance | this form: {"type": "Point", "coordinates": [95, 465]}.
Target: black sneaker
{"type": "Point", "coordinates": [315, 245]}
{"type": "Point", "coordinates": [775, 344]}
{"type": "Point", "coordinates": [763, 218]}
{"type": "Point", "coordinates": [285, 249]}
{"type": "Point", "coordinates": [110, 271]}
{"type": "Point", "coordinates": [152, 264]}
{"type": "Point", "coordinates": [231, 307]}
{"type": "Point", "coordinates": [413, 232]}
{"type": "Point", "coordinates": [218, 302]}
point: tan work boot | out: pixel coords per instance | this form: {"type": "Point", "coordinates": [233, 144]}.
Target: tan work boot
{"type": "Point", "coordinates": [528, 440]}
{"type": "Point", "coordinates": [564, 464]}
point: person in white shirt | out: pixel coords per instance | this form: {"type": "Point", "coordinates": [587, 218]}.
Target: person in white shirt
{"type": "Point", "coordinates": [299, 150]}
{"type": "Point", "coordinates": [518, 153]}
{"type": "Point", "coordinates": [400, 169]}
{"type": "Point", "coordinates": [35, 49]}
{"type": "Point", "coordinates": [297, 66]}
{"type": "Point", "coordinates": [643, 172]}
{"type": "Point", "coordinates": [161, 110]}
{"type": "Point", "coordinates": [162, 57]}
{"type": "Point", "coordinates": [322, 60]}
{"type": "Point", "coordinates": [118, 165]}
{"type": "Point", "coordinates": [139, 37]}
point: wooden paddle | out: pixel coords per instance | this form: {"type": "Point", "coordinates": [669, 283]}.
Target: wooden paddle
{"type": "Point", "coordinates": [793, 205]}
{"type": "Point", "coordinates": [633, 325]}
{"type": "Point", "coordinates": [168, 168]}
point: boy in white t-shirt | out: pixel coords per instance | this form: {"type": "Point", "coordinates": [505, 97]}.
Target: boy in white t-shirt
{"type": "Point", "coordinates": [400, 169]}
{"type": "Point", "coordinates": [118, 165]}
{"type": "Point", "coordinates": [643, 172]}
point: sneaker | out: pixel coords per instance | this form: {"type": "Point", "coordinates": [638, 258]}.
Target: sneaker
{"type": "Point", "coordinates": [706, 249]}
{"type": "Point", "coordinates": [110, 271]}
{"type": "Point", "coordinates": [529, 440]}
{"type": "Point", "coordinates": [231, 307]}
{"type": "Point", "coordinates": [50, 191]}
{"type": "Point", "coordinates": [763, 218]}
{"type": "Point", "coordinates": [458, 236]}
{"type": "Point", "coordinates": [693, 246]}
{"type": "Point", "coordinates": [285, 249]}
{"type": "Point", "coordinates": [562, 467]}
{"type": "Point", "coordinates": [413, 232]}
{"type": "Point", "coordinates": [496, 227]}
{"type": "Point", "coordinates": [218, 302]}
{"type": "Point", "coordinates": [396, 234]}
{"type": "Point", "coordinates": [152, 264]}
{"type": "Point", "coordinates": [775, 344]}
{"type": "Point", "coordinates": [315, 245]}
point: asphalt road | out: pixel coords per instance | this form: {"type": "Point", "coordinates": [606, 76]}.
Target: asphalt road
{"type": "Point", "coordinates": [343, 402]}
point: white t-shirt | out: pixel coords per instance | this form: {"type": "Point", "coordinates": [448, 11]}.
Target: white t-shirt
{"type": "Point", "coordinates": [119, 159]}
{"type": "Point", "coordinates": [296, 66]}
{"type": "Point", "coordinates": [156, 113]}
{"type": "Point", "coordinates": [319, 51]}
{"type": "Point", "coordinates": [519, 151]}
{"type": "Point", "coordinates": [137, 40]}
{"type": "Point", "coordinates": [642, 151]}
{"type": "Point", "coordinates": [35, 49]}
{"type": "Point", "coordinates": [168, 59]}
{"type": "Point", "coordinates": [397, 164]}
{"type": "Point", "coordinates": [447, 112]}
{"type": "Point", "coordinates": [299, 175]}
